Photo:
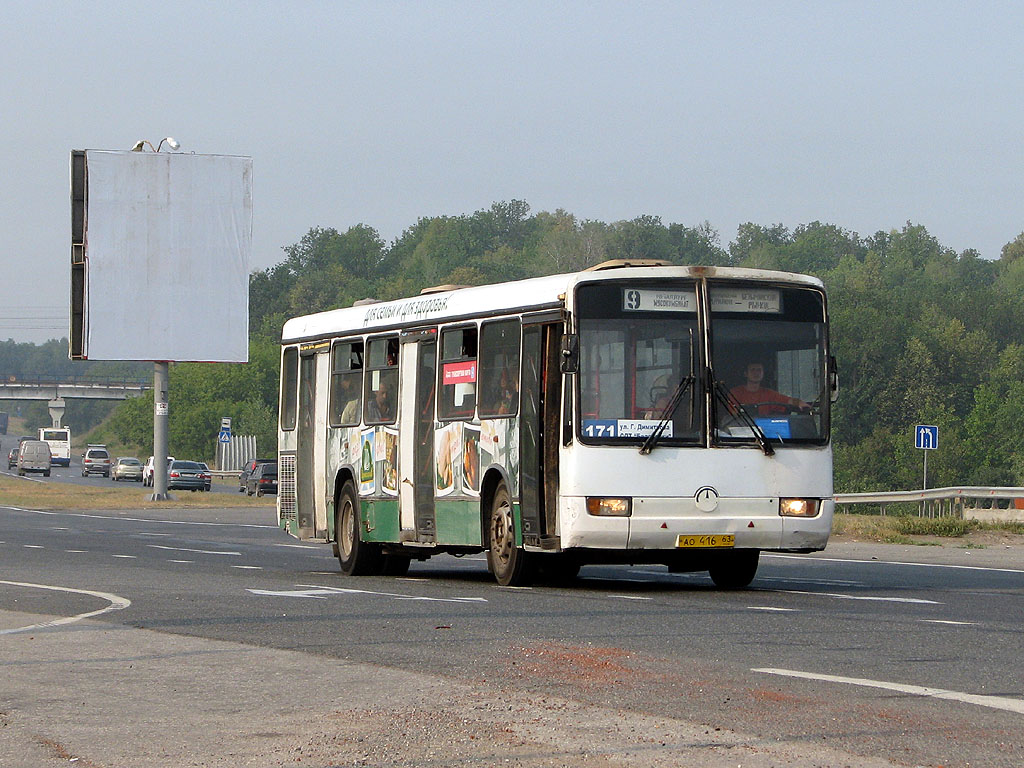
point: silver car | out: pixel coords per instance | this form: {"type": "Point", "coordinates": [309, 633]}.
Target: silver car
{"type": "Point", "coordinates": [127, 468]}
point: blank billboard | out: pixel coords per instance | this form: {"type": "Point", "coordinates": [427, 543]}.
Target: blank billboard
{"type": "Point", "coordinates": [161, 267]}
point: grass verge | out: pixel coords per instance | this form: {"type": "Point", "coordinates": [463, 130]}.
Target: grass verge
{"type": "Point", "coordinates": [105, 494]}
{"type": "Point", "coordinates": [901, 530]}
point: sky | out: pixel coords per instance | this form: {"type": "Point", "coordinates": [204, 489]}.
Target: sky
{"type": "Point", "coordinates": [865, 115]}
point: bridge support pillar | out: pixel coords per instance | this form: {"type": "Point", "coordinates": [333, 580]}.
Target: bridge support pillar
{"type": "Point", "coordinates": [56, 410]}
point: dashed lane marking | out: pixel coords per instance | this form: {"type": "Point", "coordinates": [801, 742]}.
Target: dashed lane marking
{"type": "Point", "coordinates": [952, 623]}
{"type": "Point", "coordinates": [772, 609]}
{"type": "Point", "coordinates": [321, 593]}
{"type": "Point", "coordinates": [196, 551]}
{"type": "Point", "coordinates": [993, 702]}
{"type": "Point", "coordinates": [872, 598]}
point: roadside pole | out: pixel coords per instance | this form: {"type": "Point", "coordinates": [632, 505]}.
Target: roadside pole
{"type": "Point", "coordinates": [160, 376]}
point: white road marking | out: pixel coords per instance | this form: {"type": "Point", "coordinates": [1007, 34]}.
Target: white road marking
{"type": "Point", "coordinates": [631, 597]}
{"type": "Point", "coordinates": [249, 567]}
{"type": "Point", "coordinates": [807, 558]}
{"type": "Point", "coordinates": [954, 623]}
{"type": "Point", "coordinates": [197, 551]}
{"type": "Point", "coordinates": [993, 702]}
{"type": "Point", "coordinates": [138, 519]}
{"type": "Point", "coordinates": [840, 596]}
{"type": "Point", "coordinates": [32, 546]}
{"type": "Point", "coordinates": [772, 608]}
{"type": "Point", "coordinates": [117, 603]}
{"type": "Point", "coordinates": [127, 557]}
{"type": "Point", "coordinates": [321, 593]}
{"type": "Point", "coordinates": [181, 561]}
{"type": "Point", "coordinates": [76, 551]}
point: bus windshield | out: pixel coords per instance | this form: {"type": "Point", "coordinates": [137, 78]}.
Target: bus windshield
{"type": "Point", "coordinates": [768, 361]}
{"type": "Point", "coordinates": [638, 342]}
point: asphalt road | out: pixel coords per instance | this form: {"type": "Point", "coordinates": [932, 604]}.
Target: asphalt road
{"type": "Point", "coordinates": [859, 648]}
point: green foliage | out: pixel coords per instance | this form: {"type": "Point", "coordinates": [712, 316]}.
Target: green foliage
{"type": "Point", "coordinates": [922, 334]}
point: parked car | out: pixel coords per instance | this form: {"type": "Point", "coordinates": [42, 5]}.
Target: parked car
{"type": "Point", "coordinates": [12, 458]}
{"type": "Point", "coordinates": [263, 479]}
{"type": "Point", "coordinates": [127, 468]}
{"type": "Point", "coordinates": [187, 476]}
{"type": "Point", "coordinates": [247, 470]}
{"type": "Point", "coordinates": [209, 475]}
{"type": "Point", "coordinates": [147, 471]}
{"type": "Point", "coordinates": [34, 456]}
{"type": "Point", "coordinates": [96, 461]}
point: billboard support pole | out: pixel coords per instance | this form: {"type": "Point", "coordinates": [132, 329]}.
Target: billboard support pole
{"type": "Point", "coordinates": [160, 370]}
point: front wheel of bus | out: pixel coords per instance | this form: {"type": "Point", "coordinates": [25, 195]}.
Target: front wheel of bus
{"type": "Point", "coordinates": [357, 557]}
{"type": "Point", "coordinates": [735, 570]}
{"type": "Point", "coordinates": [509, 563]}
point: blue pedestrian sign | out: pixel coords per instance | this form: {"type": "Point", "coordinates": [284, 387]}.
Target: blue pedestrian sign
{"type": "Point", "coordinates": [224, 436]}
{"type": "Point", "coordinates": [926, 437]}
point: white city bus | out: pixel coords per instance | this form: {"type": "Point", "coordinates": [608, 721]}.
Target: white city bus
{"type": "Point", "coordinates": [605, 416]}
{"type": "Point", "coordinates": [59, 440]}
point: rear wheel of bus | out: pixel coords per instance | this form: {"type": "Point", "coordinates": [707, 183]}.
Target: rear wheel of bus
{"type": "Point", "coordinates": [510, 564]}
{"type": "Point", "coordinates": [357, 557]}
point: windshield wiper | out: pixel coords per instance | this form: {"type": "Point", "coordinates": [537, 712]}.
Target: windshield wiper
{"type": "Point", "coordinates": [666, 415]}
{"type": "Point", "coordinates": [734, 405]}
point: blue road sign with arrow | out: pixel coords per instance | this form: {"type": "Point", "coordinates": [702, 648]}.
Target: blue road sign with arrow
{"type": "Point", "coordinates": [926, 437]}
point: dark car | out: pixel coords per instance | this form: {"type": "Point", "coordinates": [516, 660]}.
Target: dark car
{"type": "Point", "coordinates": [262, 480]}
{"type": "Point", "coordinates": [187, 476]}
{"type": "Point", "coordinates": [247, 470]}
{"type": "Point", "coordinates": [12, 458]}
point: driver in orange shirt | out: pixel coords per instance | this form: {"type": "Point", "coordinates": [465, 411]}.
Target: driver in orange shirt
{"type": "Point", "coordinates": [767, 402]}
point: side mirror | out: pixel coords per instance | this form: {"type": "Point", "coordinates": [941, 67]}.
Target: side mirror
{"type": "Point", "coordinates": [833, 379]}
{"type": "Point", "coordinates": [570, 353]}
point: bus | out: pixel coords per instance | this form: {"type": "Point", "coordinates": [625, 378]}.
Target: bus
{"type": "Point", "coordinates": [631, 413]}
{"type": "Point", "coordinates": [59, 440]}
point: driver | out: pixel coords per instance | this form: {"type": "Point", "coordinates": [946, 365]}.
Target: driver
{"type": "Point", "coordinates": [766, 402]}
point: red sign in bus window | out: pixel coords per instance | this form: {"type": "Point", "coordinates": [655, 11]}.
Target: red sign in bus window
{"type": "Point", "coordinates": [459, 373]}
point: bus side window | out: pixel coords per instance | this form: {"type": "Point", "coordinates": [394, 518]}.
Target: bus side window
{"type": "Point", "coordinates": [499, 368]}
{"type": "Point", "coordinates": [289, 387]}
{"type": "Point", "coordinates": [458, 373]}
{"type": "Point", "coordinates": [381, 382]}
{"type": "Point", "coordinates": [346, 383]}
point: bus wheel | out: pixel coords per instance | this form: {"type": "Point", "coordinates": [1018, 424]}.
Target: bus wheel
{"type": "Point", "coordinates": [357, 557]}
{"type": "Point", "coordinates": [509, 564]}
{"type": "Point", "coordinates": [735, 570]}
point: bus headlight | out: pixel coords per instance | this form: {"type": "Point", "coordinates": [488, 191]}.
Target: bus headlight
{"type": "Point", "coordinates": [798, 507]}
{"type": "Point", "coordinates": [609, 507]}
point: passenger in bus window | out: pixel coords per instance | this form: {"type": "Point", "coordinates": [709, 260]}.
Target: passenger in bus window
{"type": "Point", "coordinates": [765, 401]}
{"type": "Point", "coordinates": [382, 406]}
{"type": "Point", "coordinates": [508, 391]}
{"type": "Point", "coordinates": [350, 397]}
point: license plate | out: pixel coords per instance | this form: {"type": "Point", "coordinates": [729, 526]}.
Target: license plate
{"type": "Point", "coordinates": [711, 541]}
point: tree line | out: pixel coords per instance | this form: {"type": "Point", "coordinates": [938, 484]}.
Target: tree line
{"type": "Point", "coordinates": [922, 334]}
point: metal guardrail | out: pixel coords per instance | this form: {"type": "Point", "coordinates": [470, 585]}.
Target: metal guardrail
{"type": "Point", "coordinates": [48, 380]}
{"type": "Point", "coordinates": [939, 502]}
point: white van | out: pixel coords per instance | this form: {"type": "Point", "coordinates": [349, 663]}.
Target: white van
{"type": "Point", "coordinates": [34, 456]}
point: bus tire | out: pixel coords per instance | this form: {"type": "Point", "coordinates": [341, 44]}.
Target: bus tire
{"type": "Point", "coordinates": [511, 565]}
{"type": "Point", "coordinates": [735, 570]}
{"type": "Point", "coordinates": [356, 557]}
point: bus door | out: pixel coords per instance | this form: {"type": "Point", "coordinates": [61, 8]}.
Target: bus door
{"type": "Point", "coordinates": [311, 502]}
{"type": "Point", "coordinates": [539, 431]}
{"type": "Point", "coordinates": [417, 381]}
